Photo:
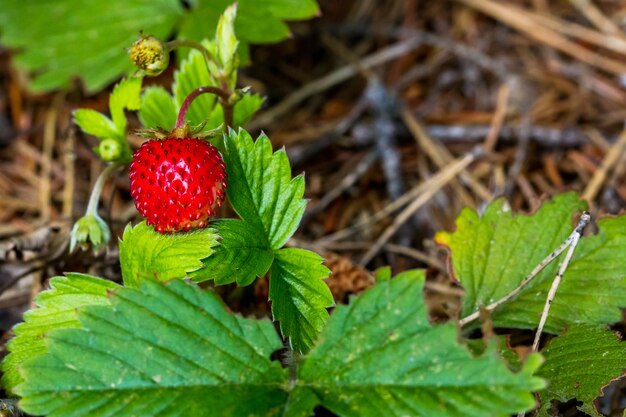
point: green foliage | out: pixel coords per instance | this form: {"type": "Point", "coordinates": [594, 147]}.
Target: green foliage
{"type": "Point", "coordinates": [159, 109]}
{"type": "Point", "coordinates": [270, 204]}
{"type": "Point", "coordinates": [381, 356]}
{"type": "Point", "coordinates": [65, 39]}
{"type": "Point", "coordinates": [57, 310]}
{"type": "Point", "coordinates": [260, 187]}
{"type": "Point", "coordinates": [59, 40]}
{"type": "Point", "coordinates": [125, 95]}
{"type": "Point", "coordinates": [257, 22]}
{"type": "Point", "coordinates": [225, 40]}
{"type": "Point", "coordinates": [241, 256]}
{"type": "Point", "coordinates": [492, 253]}
{"type": "Point", "coordinates": [90, 230]}
{"type": "Point", "coordinates": [299, 296]}
{"type": "Point", "coordinates": [147, 254]}
{"type": "Point", "coordinates": [579, 364]}
{"type": "Point", "coordinates": [158, 351]}
{"type": "Point", "coordinates": [170, 350]}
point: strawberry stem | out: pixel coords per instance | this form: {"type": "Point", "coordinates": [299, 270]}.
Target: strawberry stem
{"type": "Point", "coordinates": [208, 57]}
{"type": "Point", "coordinates": [224, 98]}
{"type": "Point", "coordinates": [94, 198]}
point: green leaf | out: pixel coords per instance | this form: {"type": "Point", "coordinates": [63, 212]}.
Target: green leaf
{"type": "Point", "coordinates": [492, 253]}
{"type": "Point", "coordinates": [159, 351]}
{"type": "Point", "coordinates": [245, 108]}
{"type": "Point", "coordinates": [193, 73]}
{"type": "Point", "coordinates": [380, 356]}
{"type": "Point", "coordinates": [56, 309]}
{"type": "Point", "coordinates": [125, 95]}
{"type": "Point", "coordinates": [147, 254]}
{"type": "Point", "coordinates": [242, 255]}
{"type": "Point", "coordinates": [257, 22]}
{"type": "Point", "coordinates": [67, 39]}
{"type": "Point", "coordinates": [157, 110]}
{"type": "Point", "coordinates": [95, 123]}
{"type": "Point", "coordinates": [59, 40]}
{"type": "Point", "coordinates": [299, 296]}
{"type": "Point", "coordinates": [260, 187]}
{"type": "Point", "coordinates": [225, 39]}
{"type": "Point", "coordinates": [579, 364]}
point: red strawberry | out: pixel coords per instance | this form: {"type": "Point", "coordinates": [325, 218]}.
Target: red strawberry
{"type": "Point", "coordinates": [177, 183]}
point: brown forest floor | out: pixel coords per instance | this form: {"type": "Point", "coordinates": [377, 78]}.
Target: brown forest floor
{"type": "Point", "coordinates": [371, 100]}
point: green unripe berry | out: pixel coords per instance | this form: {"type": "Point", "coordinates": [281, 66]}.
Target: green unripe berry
{"type": "Point", "coordinates": [110, 149]}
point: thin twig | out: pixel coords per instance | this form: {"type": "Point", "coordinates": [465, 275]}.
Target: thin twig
{"type": "Point", "coordinates": [585, 218]}
{"type": "Point", "coordinates": [441, 157]}
{"type": "Point", "coordinates": [545, 262]}
{"type": "Point", "coordinates": [333, 78]}
{"type": "Point", "coordinates": [68, 162]}
{"type": "Point", "coordinates": [447, 175]}
{"type": "Point", "coordinates": [441, 176]}
{"type": "Point", "coordinates": [608, 162]}
{"type": "Point", "coordinates": [520, 154]}
{"type": "Point", "coordinates": [521, 20]}
{"type": "Point", "coordinates": [348, 181]}
{"type": "Point", "coordinates": [49, 136]}
{"type": "Point", "coordinates": [544, 136]}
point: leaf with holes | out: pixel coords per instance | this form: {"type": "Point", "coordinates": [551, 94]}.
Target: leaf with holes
{"type": "Point", "coordinates": [579, 364]}
{"type": "Point", "coordinates": [492, 253]}
{"type": "Point", "coordinates": [380, 356]}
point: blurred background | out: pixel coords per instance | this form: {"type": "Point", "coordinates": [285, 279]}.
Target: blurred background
{"type": "Point", "coordinates": [406, 108]}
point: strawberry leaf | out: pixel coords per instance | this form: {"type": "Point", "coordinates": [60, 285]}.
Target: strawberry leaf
{"type": "Point", "coordinates": [242, 255]}
{"type": "Point", "coordinates": [492, 253]}
{"type": "Point", "coordinates": [125, 95]}
{"type": "Point", "coordinates": [380, 356]}
{"type": "Point", "coordinates": [299, 296]}
{"type": "Point", "coordinates": [159, 108]}
{"type": "Point", "coordinates": [65, 39]}
{"type": "Point", "coordinates": [192, 74]}
{"type": "Point", "coordinates": [95, 123]}
{"type": "Point", "coordinates": [579, 364]}
{"type": "Point", "coordinates": [256, 22]}
{"type": "Point", "coordinates": [159, 351]}
{"type": "Point", "coordinates": [147, 254]}
{"type": "Point", "coordinates": [56, 310]}
{"type": "Point", "coordinates": [260, 187]}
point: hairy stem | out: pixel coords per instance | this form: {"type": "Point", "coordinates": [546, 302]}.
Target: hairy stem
{"type": "Point", "coordinates": [208, 57]}
{"type": "Point", "coordinates": [94, 199]}
{"type": "Point", "coordinates": [224, 100]}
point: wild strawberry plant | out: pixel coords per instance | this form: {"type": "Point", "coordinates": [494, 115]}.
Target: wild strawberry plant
{"type": "Point", "coordinates": [159, 345]}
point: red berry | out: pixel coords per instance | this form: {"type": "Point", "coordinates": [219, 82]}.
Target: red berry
{"type": "Point", "coordinates": [177, 184]}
